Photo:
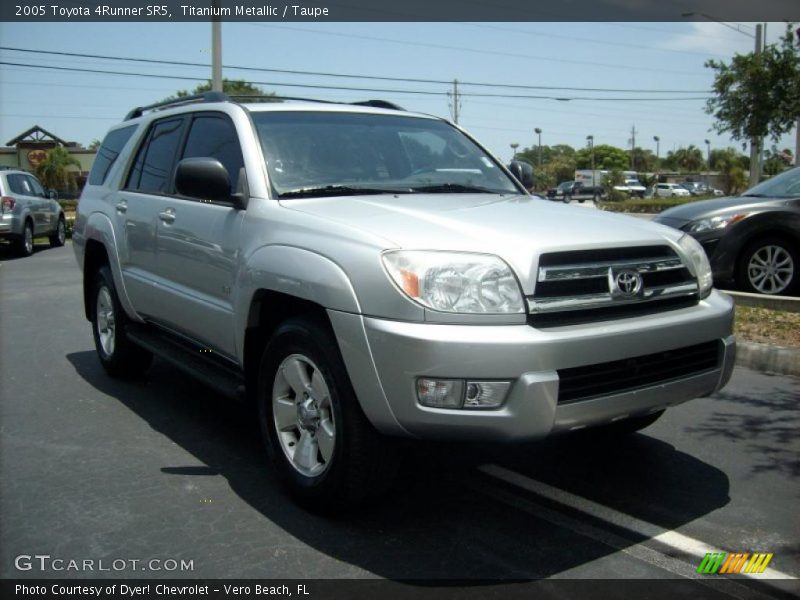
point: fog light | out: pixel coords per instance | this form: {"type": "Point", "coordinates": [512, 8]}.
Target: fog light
{"type": "Point", "coordinates": [440, 393]}
{"type": "Point", "coordinates": [486, 394]}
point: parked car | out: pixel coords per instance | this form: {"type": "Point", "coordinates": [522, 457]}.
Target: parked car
{"type": "Point", "coordinates": [568, 190]}
{"type": "Point", "coordinates": [753, 240]}
{"type": "Point", "coordinates": [28, 212]}
{"type": "Point", "coordinates": [670, 190]}
{"type": "Point", "coordinates": [697, 188]}
{"type": "Point", "coordinates": [359, 272]}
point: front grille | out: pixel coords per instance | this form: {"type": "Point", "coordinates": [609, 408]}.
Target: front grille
{"type": "Point", "coordinates": [603, 379]}
{"type": "Point", "coordinates": [587, 280]}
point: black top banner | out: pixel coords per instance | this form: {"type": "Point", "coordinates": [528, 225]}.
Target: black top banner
{"type": "Point", "coordinates": [399, 11]}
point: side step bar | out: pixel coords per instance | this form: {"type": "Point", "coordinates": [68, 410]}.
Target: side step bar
{"type": "Point", "coordinates": [215, 372]}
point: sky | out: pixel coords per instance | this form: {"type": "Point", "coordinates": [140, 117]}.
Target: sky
{"type": "Point", "coordinates": [667, 58]}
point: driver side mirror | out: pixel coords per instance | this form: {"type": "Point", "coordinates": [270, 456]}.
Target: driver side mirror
{"type": "Point", "coordinates": [52, 194]}
{"type": "Point", "coordinates": [206, 179]}
{"type": "Point", "coordinates": [523, 172]}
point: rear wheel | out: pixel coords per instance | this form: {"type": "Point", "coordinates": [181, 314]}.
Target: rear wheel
{"type": "Point", "coordinates": [769, 266]}
{"type": "Point", "coordinates": [325, 450]}
{"type": "Point", "coordinates": [24, 243]}
{"type": "Point", "coordinates": [119, 356]}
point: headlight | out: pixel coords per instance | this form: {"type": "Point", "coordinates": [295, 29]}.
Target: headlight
{"type": "Point", "coordinates": [698, 263]}
{"type": "Point", "coordinates": [712, 223]}
{"type": "Point", "coordinates": [455, 282]}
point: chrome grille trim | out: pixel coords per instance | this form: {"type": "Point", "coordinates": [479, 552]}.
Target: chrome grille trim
{"type": "Point", "coordinates": [577, 281]}
{"type": "Point", "coordinates": [600, 269]}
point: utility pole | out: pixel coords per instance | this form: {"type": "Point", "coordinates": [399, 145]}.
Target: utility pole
{"type": "Point", "coordinates": [755, 142]}
{"type": "Point", "coordinates": [216, 51]}
{"type": "Point", "coordinates": [590, 139]}
{"type": "Point", "coordinates": [657, 140]}
{"type": "Point", "coordinates": [633, 147]}
{"type": "Point", "coordinates": [455, 101]}
{"type": "Point", "coordinates": [538, 131]}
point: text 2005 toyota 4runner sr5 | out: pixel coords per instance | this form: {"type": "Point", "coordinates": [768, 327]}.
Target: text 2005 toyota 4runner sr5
{"type": "Point", "coordinates": [361, 273]}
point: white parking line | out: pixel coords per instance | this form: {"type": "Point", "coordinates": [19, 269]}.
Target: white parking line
{"type": "Point", "coordinates": [676, 542]}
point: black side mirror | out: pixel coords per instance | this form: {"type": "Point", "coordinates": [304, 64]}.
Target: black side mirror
{"type": "Point", "coordinates": [523, 172]}
{"type": "Point", "coordinates": [52, 194]}
{"type": "Point", "coordinates": [205, 179]}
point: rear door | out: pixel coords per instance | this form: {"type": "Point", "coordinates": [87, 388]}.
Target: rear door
{"type": "Point", "coordinates": [45, 219]}
{"type": "Point", "coordinates": [23, 192]}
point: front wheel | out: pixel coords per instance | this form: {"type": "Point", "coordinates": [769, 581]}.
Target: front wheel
{"type": "Point", "coordinates": [325, 450]}
{"type": "Point", "coordinates": [60, 234]}
{"type": "Point", "coordinates": [769, 266]}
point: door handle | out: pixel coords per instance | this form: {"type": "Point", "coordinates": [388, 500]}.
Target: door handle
{"type": "Point", "coordinates": [122, 206]}
{"type": "Point", "coordinates": [168, 216]}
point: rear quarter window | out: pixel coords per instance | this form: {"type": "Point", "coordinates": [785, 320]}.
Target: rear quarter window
{"type": "Point", "coordinates": [108, 152]}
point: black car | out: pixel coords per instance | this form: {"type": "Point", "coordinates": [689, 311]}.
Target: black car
{"type": "Point", "coordinates": [752, 240]}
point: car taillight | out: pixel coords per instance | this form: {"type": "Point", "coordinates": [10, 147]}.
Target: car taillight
{"type": "Point", "coordinates": [7, 202]}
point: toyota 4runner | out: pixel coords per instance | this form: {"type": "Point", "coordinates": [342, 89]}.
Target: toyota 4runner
{"type": "Point", "coordinates": [359, 273]}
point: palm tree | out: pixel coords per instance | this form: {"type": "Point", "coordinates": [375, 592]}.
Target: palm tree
{"type": "Point", "coordinates": [54, 172]}
{"type": "Point", "coordinates": [689, 160]}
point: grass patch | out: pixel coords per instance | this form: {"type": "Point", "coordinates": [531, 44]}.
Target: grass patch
{"type": "Point", "coordinates": [774, 327]}
{"type": "Point", "coordinates": [649, 205]}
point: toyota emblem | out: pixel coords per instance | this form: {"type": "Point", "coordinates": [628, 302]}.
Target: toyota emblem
{"type": "Point", "coordinates": [626, 283]}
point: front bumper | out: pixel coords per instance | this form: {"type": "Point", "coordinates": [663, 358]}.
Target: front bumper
{"type": "Point", "coordinates": [397, 353]}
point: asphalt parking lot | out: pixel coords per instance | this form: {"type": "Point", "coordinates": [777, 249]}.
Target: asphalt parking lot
{"type": "Point", "coordinates": [161, 468]}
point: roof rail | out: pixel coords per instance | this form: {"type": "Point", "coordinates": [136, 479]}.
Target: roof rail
{"type": "Point", "coordinates": [379, 104]}
{"type": "Point", "coordinates": [205, 97]}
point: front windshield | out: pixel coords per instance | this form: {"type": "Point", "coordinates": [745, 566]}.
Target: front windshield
{"type": "Point", "coordinates": [565, 186]}
{"type": "Point", "coordinates": [785, 185]}
{"type": "Point", "coordinates": [311, 153]}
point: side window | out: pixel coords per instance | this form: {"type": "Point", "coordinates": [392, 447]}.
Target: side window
{"type": "Point", "coordinates": [152, 170]}
{"type": "Point", "coordinates": [215, 136]}
{"type": "Point", "coordinates": [108, 152]}
{"type": "Point", "coordinates": [36, 187]}
{"type": "Point", "coordinates": [14, 184]}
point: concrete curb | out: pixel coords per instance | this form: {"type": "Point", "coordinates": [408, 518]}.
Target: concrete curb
{"type": "Point", "coordinates": [785, 303]}
{"type": "Point", "coordinates": [770, 359]}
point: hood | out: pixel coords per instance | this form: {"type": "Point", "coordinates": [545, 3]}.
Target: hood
{"type": "Point", "coordinates": [680, 215]}
{"type": "Point", "coordinates": [516, 228]}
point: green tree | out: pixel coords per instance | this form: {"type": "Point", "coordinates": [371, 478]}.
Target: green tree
{"type": "Point", "coordinates": [729, 164]}
{"type": "Point", "coordinates": [613, 178]}
{"type": "Point", "coordinates": [757, 94]}
{"type": "Point", "coordinates": [95, 144]}
{"type": "Point", "coordinates": [232, 87]}
{"type": "Point", "coordinates": [687, 160]}
{"type": "Point", "coordinates": [54, 171]}
{"type": "Point", "coordinates": [605, 157]}
{"type": "Point", "coordinates": [643, 160]}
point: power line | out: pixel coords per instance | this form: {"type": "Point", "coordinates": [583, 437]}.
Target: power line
{"type": "Point", "coordinates": [355, 89]}
{"type": "Point", "coordinates": [350, 75]}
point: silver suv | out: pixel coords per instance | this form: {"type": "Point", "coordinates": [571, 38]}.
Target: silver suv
{"type": "Point", "coordinates": [362, 273]}
{"type": "Point", "coordinates": [27, 211]}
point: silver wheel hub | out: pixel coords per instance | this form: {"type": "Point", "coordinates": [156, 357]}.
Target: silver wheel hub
{"type": "Point", "coordinates": [28, 240]}
{"type": "Point", "coordinates": [105, 321]}
{"type": "Point", "coordinates": [771, 269]}
{"type": "Point", "coordinates": [62, 232]}
{"type": "Point", "coordinates": [303, 415]}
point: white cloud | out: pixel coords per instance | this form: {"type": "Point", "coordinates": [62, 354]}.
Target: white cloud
{"type": "Point", "coordinates": [719, 40]}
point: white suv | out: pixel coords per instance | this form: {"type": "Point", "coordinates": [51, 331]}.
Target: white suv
{"type": "Point", "coordinates": [671, 190]}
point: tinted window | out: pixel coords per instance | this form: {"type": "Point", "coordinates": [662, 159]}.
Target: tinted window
{"type": "Point", "coordinates": [215, 137]}
{"type": "Point", "coordinates": [108, 152]}
{"type": "Point", "coordinates": [15, 184]}
{"type": "Point", "coordinates": [35, 186]}
{"type": "Point", "coordinates": [153, 167]}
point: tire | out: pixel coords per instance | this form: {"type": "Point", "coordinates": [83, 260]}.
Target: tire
{"type": "Point", "coordinates": [627, 426]}
{"type": "Point", "coordinates": [581, 200]}
{"type": "Point", "coordinates": [344, 460]}
{"type": "Point", "coordinates": [567, 198]}
{"type": "Point", "coordinates": [769, 266]}
{"type": "Point", "coordinates": [60, 236]}
{"type": "Point", "coordinates": [24, 243]}
{"type": "Point", "coordinates": [120, 357]}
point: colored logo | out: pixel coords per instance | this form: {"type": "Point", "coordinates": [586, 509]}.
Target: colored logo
{"type": "Point", "coordinates": [734, 563]}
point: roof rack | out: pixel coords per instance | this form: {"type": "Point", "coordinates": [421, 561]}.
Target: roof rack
{"type": "Point", "coordinates": [379, 104]}
{"type": "Point", "coordinates": [222, 97]}
{"type": "Point", "coordinates": [205, 97]}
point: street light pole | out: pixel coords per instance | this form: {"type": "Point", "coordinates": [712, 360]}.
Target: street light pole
{"type": "Point", "coordinates": [755, 143]}
{"type": "Point", "coordinates": [216, 52]}
{"type": "Point", "coordinates": [538, 132]}
{"type": "Point", "coordinates": [708, 162]}
{"type": "Point", "coordinates": [657, 139]}
{"type": "Point", "coordinates": [514, 146]}
{"type": "Point", "coordinates": [590, 139]}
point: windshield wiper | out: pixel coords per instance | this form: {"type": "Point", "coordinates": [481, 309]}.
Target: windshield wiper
{"type": "Point", "coordinates": [455, 188]}
{"type": "Point", "coordinates": [754, 195]}
{"type": "Point", "coordinates": [337, 190]}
